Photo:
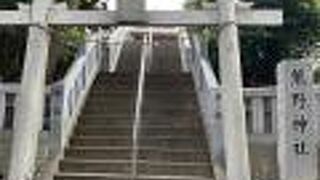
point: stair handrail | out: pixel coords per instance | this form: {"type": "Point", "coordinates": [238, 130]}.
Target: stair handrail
{"type": "Point", "coordinates": [145, 56]}
{"type": "Point", "coordinates": [207, 89]}
{"type": "Point", "coordinates": [59, 118]}
{"type": "Point", "coordinates": [66, 97]}
{"type": "Point", "coordinates": [69, 94]}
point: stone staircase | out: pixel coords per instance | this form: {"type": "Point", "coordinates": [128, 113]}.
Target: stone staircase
{"type": "Point", "coordinates": [172, 143]}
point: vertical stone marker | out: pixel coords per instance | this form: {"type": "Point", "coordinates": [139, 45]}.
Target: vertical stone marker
{"type": "Point", "coordinates": [297, 127]}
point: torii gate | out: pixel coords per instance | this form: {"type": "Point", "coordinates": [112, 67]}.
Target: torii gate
{"type": "Point", "coordinates": [43, 13]}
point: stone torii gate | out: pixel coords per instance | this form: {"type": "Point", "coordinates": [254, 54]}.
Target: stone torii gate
{"type": "Point", "coordinates": [42, 14]}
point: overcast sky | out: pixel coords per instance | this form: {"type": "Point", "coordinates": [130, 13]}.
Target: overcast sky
{"type": "Point", "coordinates": [157, 4]}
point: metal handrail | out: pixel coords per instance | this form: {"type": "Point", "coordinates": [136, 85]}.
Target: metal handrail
{"type": "Point", "coordinates": [138, 106]}
{"type": "Point", "coordinates": [207, 88]}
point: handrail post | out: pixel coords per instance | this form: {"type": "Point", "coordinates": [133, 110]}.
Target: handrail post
{"type": "Point", "coordinates": [2, 106]}
{"type": "Point", "coordinates": [55, 120]}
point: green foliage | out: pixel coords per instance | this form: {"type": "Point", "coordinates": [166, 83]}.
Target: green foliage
{"type": "Point", "coordinates": [80, 4]}
{"type": "Point", "coordinates": [196, 4]}
{"type": "Point", "coordinates": [263, 47]}
{"type": "Point", "coordinates": [76, 4]}
{"type": "Point", "coordinates": [316, 75]}
{"type": "Point", "coordinates": [11, 4]}
{"type": "Point", "coordinates": [65, 42]}
{"type": "Point", "coordinates": [11, 52]}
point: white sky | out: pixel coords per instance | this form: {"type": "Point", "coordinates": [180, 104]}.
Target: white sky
{"type": "Point", "coordinates": [157, 4]}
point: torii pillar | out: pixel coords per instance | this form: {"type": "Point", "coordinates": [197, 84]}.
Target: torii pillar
{"type": "Point", "coordinates": [236, 141]}
{"type": "Point", "coordinates": [29, 116]}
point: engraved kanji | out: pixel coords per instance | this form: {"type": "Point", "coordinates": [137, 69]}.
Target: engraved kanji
{"type": "Point", "coordinates": [299, 100]}
{"type": "Point", "coordinates": [300, 148]}
{"type": "Point", "coordinates": [300, 124]}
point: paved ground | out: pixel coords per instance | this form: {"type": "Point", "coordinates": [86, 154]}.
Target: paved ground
{"type": "Point", "coordinates": [264, 161]}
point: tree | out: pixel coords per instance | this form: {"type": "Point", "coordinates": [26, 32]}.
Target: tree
{"type": "Point", "coordinates": [80, 4]}
{"type": "Point", "coordinates": [263, 47]}
{"type": "Point", "coordinates": [11, 4]}
{"type": "Point", "coordinates": [12, 45]}
{"type": "Point", "coordinates": [65, 42]}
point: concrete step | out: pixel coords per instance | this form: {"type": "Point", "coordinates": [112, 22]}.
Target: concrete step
{"type": "Point", "coordinates": [175, 155]}
{"type": "Point", "coordinates": [116, 79]}
{"type": "Point", "coordinates": [186, 142]}
{"type": "Point", "coordinates": [155, 153]}
{"type": "Point", "coordinates": [102, 131]}
{"type": "Point", "coordinates": [113, 76]}
{"type": "Point", "coordinates": [128, 117]}
{"type": "Point", "coordinates": [169, 86]}
{"type": "Point", "coordinates": [145, 110]}
{"type": "Point", "coordinates": [95, 166]}
{"type": "Point", "coordinates": [121, 120]}
{"type": "Point", "coordinates": [169, 78]}
{"type": "Point", "coordinates": [144, 167]}
{"type": "Point", "coordinates": [147, 103]}
{"type": "Point", "coordinates": [112, 176]}
{"type": "Point", "coordinates": [143, 128]}
{"type": "Point", "coordinates": [173, 112]}
{"type": "Point", "coordinates": [171, 126]}
{"type": "Point", "coordinates": [162, 119]}
{"type": "Point", "coordinates": [93, 152]}
{"type": "Point", "coordinates": [164, 98]}
{"type": "Point", "coordinates": [159, 113]}
{"type": "Point", "coordinates": [95, 99]}
{"type": "Point", "coordinates": [149, 85]}
{"type": "Point", "coordinates": [105, 120]}
{"type": "Point", "coordinates": [107, 99]}
{"type": "Point", "coordinates": [101, 141]}
{"type": "Point", "coordinates": [104, 92]}
{"type": "Point", "coordinates": [108, 110]}
{"type": "Point", "coordinates": [120, 84]}
{"type": "Point", "coordinates": [172, 97]}
{"type": "Point", "coordinates": [176, 169]}
{"type": "Point", "coordinates": [106, 131]}
{"type": "Point", "coordinates": [150, 103]}
{"type": "Point", "coordinates": [113, 94]}
{"type": "Point", "coordinates": [157, 78]}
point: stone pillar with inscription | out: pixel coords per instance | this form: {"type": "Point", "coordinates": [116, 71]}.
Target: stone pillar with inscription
{"type": "Point", "coordinates": [297, 127]}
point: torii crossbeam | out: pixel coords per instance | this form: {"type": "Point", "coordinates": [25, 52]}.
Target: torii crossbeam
{"type": "Point", "coordinates": [58, 16]}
